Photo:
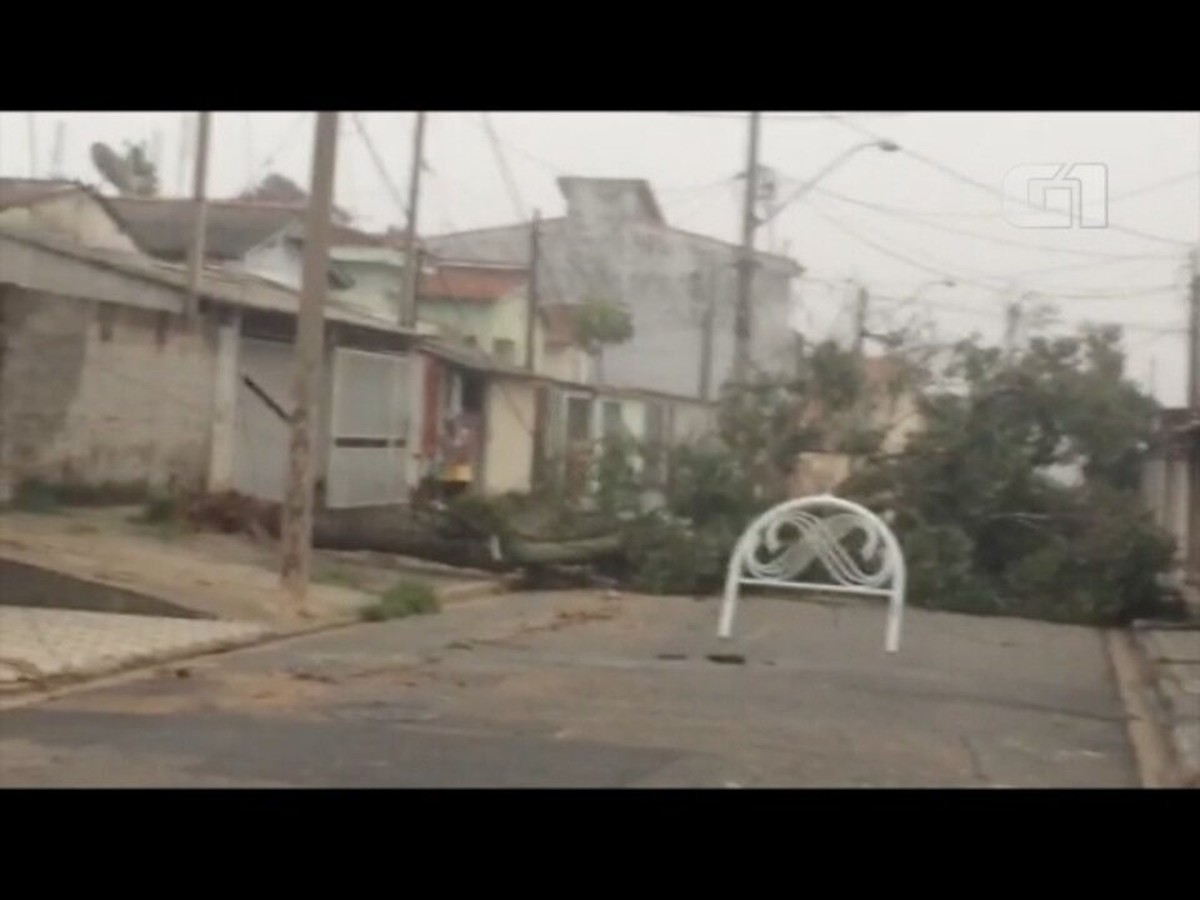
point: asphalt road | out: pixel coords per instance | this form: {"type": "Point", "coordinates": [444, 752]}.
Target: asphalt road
{"type": "Point", "coordinates": [579, 689]}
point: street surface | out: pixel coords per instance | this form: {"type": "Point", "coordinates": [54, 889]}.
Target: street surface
{"type": "Point", "coordinates": [583, 689]}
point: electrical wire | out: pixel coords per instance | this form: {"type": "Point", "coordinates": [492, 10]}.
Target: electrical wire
{"type": "Point", "coordinates": [380, 168]}
{"type": "Point", "coordinates": [1008, 242]}
{"type": "Point", "coordinates": [1116, 294]}
{"type": "Point", "coordinates": [973, 182]}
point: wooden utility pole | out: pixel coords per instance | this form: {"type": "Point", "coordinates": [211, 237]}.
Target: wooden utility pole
{"type": "Point", "coordinates": [860, 320]}
{"type": "Point", "coordinates": [185, 127]}
{"type": "Point", "coordinates": [199, 219]}
{"type": "Point", "coordinates": [742, 312]}
{"type": "Point", "coordinates": [56, 157]}
{"type": "Point", "coordinates": [297, 522]}
{"type": "Point", "coordinates": [1012, 324]}
{"type": "Point", "coordinates": [31, 122]}
{"type": "Point", "coordinates": [532, 299]}
{"type": "Point", "coordinates": [708, 297]}
{"type": "Point", "coordinates": [412, 263]}
{"type": "Point", "coordinates": [1194, 335]}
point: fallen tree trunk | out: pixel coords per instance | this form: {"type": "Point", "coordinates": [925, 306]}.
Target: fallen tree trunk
{"type": "Point", "coordinates": [521, 550]}
{"type": "Point", "coordinates": [397, 530]}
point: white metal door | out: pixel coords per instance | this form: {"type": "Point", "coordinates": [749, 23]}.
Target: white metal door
{"type": "Point", "coordinates": [369, 429]}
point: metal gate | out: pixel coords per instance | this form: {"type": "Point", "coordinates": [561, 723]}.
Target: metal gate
{"type": "Point", "coordinates": [370, 419]}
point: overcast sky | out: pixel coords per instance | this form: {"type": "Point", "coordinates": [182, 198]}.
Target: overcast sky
{"type": "Point", "coordinates": [898, 222]}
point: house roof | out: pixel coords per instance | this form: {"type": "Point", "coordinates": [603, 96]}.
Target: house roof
{"type": "Point", "coordinates": [239, 289]}
{"type": "Point", "coordinates": [471, 357]}
{"type": "Point", "coordinates": [162, 226]}
{"type": "Point", "coordinates": [645, 192]}
{"type": "Point", "coordinates": [16, 192]}
{"type": "Point", "coordinates": [471, 281]}
{"type": "Point", "coordinates": [23, 191]}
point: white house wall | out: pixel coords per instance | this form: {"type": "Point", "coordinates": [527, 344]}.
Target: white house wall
{"type": "Point", "coordinates": [511, 412]}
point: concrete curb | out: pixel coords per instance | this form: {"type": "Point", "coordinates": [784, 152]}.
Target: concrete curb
{"type": "Point", "coordinates": [29, 693]}
{"type": "Point", "coordinates": [1149, 735]}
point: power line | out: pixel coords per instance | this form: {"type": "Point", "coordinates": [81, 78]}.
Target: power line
{"type": "Point", "coordinates": [377, 160]}
{"type": "Point", "coordinates": [1146, 189]}
{"type": "Point", "coordinates": [991, 189]}
{"type": "Point", "coordinates": [1116, 294]}
{"type": "Point", "coordinates": [284, 142]}
{"type": "Point", "coordinates": [514, 193]}
{"type": "Point", "coordinates": [950, 229]}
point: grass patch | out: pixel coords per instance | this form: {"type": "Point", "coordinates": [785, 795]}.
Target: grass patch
{"type": "Point", "coordinates": [408, 597]}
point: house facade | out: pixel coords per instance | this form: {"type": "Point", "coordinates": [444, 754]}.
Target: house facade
{"type": "Point", "coordinates": [614, 244]}
{"type": "Point", "coordinates": [1171, 491]}
{"type": "Point", "coordinates": [104, 385]}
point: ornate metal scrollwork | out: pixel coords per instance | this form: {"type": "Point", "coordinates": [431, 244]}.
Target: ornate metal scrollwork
{"type": "Point", "coordinates": [855, 548]}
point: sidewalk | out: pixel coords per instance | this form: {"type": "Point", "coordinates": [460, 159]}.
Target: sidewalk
{"type": "Point", "coordinates": [1173, 658]}
{"type": "Point", "coordinates": [89, 593]}
{"type": "Point", "coordinates": [38, 646]}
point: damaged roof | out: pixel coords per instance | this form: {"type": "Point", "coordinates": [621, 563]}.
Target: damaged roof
{"type": "Point", "coordinates": [162, 226]}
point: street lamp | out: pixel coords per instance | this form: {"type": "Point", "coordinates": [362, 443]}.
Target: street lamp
{"type": "Point", "coordinates": [885, 146]}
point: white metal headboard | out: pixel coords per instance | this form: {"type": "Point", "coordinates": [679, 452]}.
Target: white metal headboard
{"type": "Point", "coordinates": [785, 541]}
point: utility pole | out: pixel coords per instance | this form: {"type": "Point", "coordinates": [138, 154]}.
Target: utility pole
{"type": "Point", "coordinates": [199, 219]}
{"type": "Point", "coordinates": [56, 157]}
{"type": "Point", "coordinates": [1012, 324]}
{"type": "Point", "coordinates": [412, 264]}
{"type": "Point", "coordinates": [185, 128]}
{"type": "Point", "coordinates": [742, 312]}
{"type": "Point", "coordinates": [32, 125]}
{"type": "Point", "coordinates": [296, 530]}
{"type": "Point", "coordinates": [531, 291]}
{"type": "Point", "coordinates": [1194, 335]}
{"type": "Point", "coordinates": [707, 284]}
{"type": "Point", "coordinates": [860, 320]}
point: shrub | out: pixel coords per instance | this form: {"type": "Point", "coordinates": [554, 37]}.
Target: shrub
{"type": "Point", "coordinates": [408, 597]}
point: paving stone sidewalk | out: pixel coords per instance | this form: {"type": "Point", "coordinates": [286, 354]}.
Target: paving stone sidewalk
{"type": "Point", "coordinates": [1174, 656]}
{"type": "Point", "coordinates": [38, 645]}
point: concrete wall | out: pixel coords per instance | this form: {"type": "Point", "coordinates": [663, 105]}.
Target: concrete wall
{"type": "Point", "coordinates": [1166, 490]}
{"type": "Point", "coordinates": [563, 363]}
{"type": "Point", "coordinates": [76, 215]}
{"type": "Point", "coordinates": [606, 248]}
{"type": "Point", "coordinates": [378, 288]}
{"type": "Point", "coordinates": [100, 394]}
{"type": "Point", "coordinates": [511, 411]}
{"type": "Point", "coordinates": [485, 321]}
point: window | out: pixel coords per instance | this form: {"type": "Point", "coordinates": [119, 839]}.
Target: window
{"type": "Point", "coordinates": [505, 349]}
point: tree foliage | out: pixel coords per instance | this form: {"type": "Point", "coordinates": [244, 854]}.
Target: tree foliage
{"type": "Point", "coordinates": [1020, 493]}
{"type": "Point", "coordinates": [601, 323]}
{"type": "Point", "coordinates": [276, 188]}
